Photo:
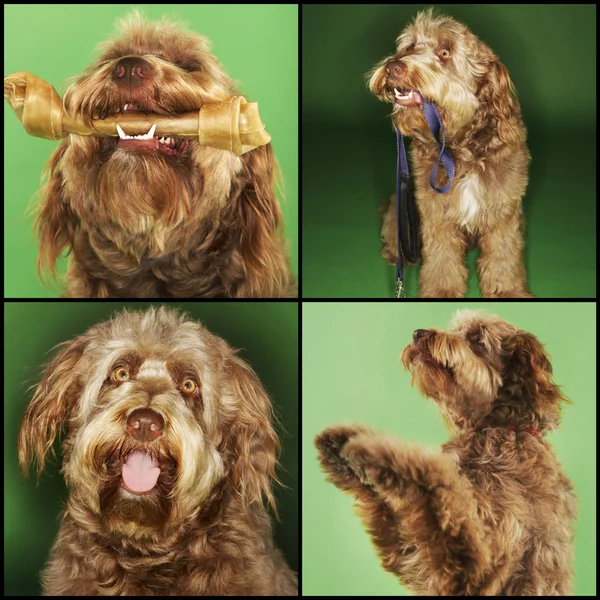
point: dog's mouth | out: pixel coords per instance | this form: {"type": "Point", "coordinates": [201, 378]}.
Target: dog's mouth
{"type": "Point", "coordinates": [405, 97]}
{"type": "Point", "coordinates": [427, 358]}
{"type": "Point", "coordinates": [166, 146]}
{"type": "Point", "coordinates": [139, 472]}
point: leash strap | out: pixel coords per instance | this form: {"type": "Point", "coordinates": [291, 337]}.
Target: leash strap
{"type": "Point", "coordinates": [406, 217]}
{"type": "Point", "coordinates": [406, 211]}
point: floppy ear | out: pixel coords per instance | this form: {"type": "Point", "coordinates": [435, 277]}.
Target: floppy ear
{"type": "Point", "coordinates": [530, 371]}
{"type": "Point", "coordinates": [53, 400]}
{"type": "Point", "coordinates": [255, 443]}
{"type": "Point", "coordinates": [257, 209]}
{"type": "Point", "coordinates": [56, 223]}
{"type": "Point", "coordinates": [500, 96]}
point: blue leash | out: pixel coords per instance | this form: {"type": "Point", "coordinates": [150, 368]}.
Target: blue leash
{"type": "Point", "coordinates": [406, 212]}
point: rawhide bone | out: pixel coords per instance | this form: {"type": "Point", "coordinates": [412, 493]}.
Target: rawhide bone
{"type": "Point", "coordinates": [232, 124]}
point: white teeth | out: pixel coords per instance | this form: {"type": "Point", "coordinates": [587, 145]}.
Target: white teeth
{"type": "Point", "coordinates": [147, 136]}
{"type": "Point", "coordinates": [403, 96]}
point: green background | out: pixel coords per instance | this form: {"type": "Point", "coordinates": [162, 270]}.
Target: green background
{"type": "Point", "coordinates": [267, 334]}
{"type": "Point", "coordinates": [351, 373]}
{"type": "Point", "coordinates": [349, 148]}
{"type": "Point", "coordinates": [256, 44]}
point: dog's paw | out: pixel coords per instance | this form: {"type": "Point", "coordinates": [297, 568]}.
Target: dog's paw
{"type": "Point", "coordinates": [373, 462]}
{"type": "Point", "coordinates": [508, 294]}
{"type": "Point", "coordinates": [330, 444]}
{"type": "Point", "coordinates": [442, 293]}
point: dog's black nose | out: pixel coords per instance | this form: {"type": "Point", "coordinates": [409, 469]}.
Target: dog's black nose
{"type": "Point", "coordinates": [145, 425]}
{"type": "Point", "coordinates": [396, 69]}
{"type": "Point", "coordinates": [420, 333]}
{"type": "Point", "coordinates": [132, 72]}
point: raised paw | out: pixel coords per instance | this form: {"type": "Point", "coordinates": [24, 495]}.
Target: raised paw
{"type": "Point", "coordinates": [373, 461]}
{"type": "Point", "coordinates": [330, 444]}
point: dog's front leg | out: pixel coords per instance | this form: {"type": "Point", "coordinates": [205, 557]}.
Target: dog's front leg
{"type": "Point", "coordinates": [380, 519]}
{"type": "Point", "coordinates": [440, 541]}
{"type": "Point", "coordinates": [443, 273]}
{"type": "Point", "coordinates": [501, 265]}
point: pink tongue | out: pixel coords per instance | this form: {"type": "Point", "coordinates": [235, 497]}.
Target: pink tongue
{"type": "Point", "coordinates": [140, 472]}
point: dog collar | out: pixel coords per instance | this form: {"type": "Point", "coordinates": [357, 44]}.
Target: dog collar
{"type": "Point", "coordinates": [532, 431]}
{"type": "Point", "coordinates": [406, 214]}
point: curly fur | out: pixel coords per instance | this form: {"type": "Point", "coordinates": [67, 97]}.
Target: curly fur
{"type": "Point", "coordinates": [489, 515]}
{"type": "Point", "coordinates": [443, 61]}
{"type": "Point", "coordinates": [141, 224]}
{"type": "Point", "coordinates": [203, 528]}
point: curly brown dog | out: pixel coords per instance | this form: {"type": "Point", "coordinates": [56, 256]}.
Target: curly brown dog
{"type": "Point", "coordinates": [169, 458]}
{"type": "Point", "coordinates": [160, 217]}
{"type": "Point", "coordinates": [439, 59]}
{"type": "Point", "coordinates": [491, 514]}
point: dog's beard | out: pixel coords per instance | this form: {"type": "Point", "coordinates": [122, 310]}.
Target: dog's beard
{"type": "Point", "coordinates": [135, 190]}
{"type": "Point", "coordinates": [446, 370]}
{"type": "Point", "coordinates": [190, 466]}
{"type": "Point", "coordinates": [143, 187]}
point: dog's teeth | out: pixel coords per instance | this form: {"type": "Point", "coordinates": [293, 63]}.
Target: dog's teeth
{"type": "Point", "coordinates": [150, 133]}
{"type": "Point", "coordinates": [121, 133]}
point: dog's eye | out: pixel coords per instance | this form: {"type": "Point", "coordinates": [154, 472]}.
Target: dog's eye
{"type": "Point", "coordinates": [190, 67]}
{"type": "Point", "coordinates": [444, 53]}
{"type": "Point", "coordinates": [475, 338]}
{"type": "Point", "coordinates": [120, 375]}
{"type": "Point", "coordinates": [188, 386]}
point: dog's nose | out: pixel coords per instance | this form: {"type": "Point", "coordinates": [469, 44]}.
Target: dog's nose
{"type": "Point", "coordinates": [132, 72]}
{"type": "Point", "coordinates": [419, 334]}
{"type": "Point", "coordinates": [396, 69]}
{"type": "Point", "coordinates": [145, 425]}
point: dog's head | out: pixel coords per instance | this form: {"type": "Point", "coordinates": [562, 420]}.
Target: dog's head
{"type": "Point", "coordinates": [138, 201]}
{"type": "Point", "coordinates": [439, 59]}
{"type": "Point", "coordinates": [485, 371]}
{"type": "Point", "coordinates": [151, 68]}
{"type": "Point", "coordinates": [163, 422]}
{"type": "Point", "coordinates": [140, 193]}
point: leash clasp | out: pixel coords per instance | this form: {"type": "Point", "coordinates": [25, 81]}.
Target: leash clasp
{"type": "Point", "coordinates": [400, 293]}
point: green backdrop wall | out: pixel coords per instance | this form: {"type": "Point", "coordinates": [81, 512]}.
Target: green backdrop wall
{"type": "Point", "coordinates": [256, 44]}
{"type": "Point", "coordinates": [349, 148]}
{"type": "Point", "coordinates": [266, 333]}
{"type": "Point", "coordinates": [351, 373]}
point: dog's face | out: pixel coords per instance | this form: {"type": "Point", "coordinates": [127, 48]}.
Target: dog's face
{"type": "Point", "coordinates": [439, 59]}
{"type": "Point", "coordinates": [163, 421]}
{"type": "Point", "coordinates": [484, 365]}
{"type": "Point", "coordinates": [151, 68]}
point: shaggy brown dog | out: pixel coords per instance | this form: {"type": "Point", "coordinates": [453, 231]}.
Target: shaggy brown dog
{"type": "Point", "coordinates": [170, 218]}
{"type": "Point", "coordinates": [441, 60]}
{"type": "Point", "coordinates": [169, 455]}
{"type": "Point", "coordinates": [490, 514]}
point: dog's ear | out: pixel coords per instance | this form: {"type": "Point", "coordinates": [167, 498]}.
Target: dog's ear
{"type": "Point", "coordinates": [498, 94]}
{"type": "Point", "coordinates": [53, 400]}
{"type": "Point", "coordinates": [56, 223]}
{"type": "Point", "coordinates": [529, 372]}
{"type": "Point", "coordinates": [257, 209]}
{"type": "Point", "coordinates": [255, 443]}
